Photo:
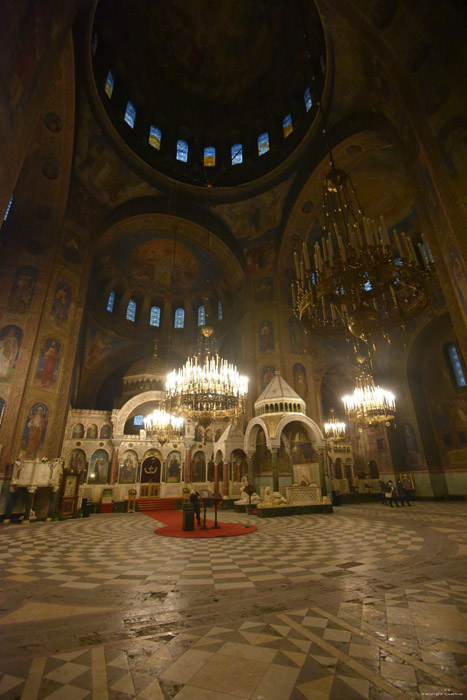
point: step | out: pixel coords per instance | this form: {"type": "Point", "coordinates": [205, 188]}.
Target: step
{"type": "Point", "coordinates": [156, 503]}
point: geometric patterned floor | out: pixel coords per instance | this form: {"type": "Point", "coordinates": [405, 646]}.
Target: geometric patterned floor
{"type": "Point", "coordinates": [362, 603]}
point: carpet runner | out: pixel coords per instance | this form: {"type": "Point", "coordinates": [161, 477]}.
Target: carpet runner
{"type": "Point", "coordinates": [173, 519]}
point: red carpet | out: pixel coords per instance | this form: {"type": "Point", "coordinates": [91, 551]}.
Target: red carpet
{"type": "Point", "coordinates": [173, 519]}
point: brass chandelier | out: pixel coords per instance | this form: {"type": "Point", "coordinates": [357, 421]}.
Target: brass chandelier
{"type": "Point", "coordinates": [163, 426]}
{"type": "Point", "coordinates": [207, 387]}
{"type": "Point", "coordinates": [369, 404]}
{"type": "Point", "coordinates": [359, 280]}
{"type": "Point", "coordinates": [334, 429]}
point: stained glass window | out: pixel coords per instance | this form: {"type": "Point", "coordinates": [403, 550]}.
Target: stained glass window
{"type": "Point", "coordinates": [130, 114]}
{"type": "Point", "coordinates": [287, 125]}
{"type": "Point", "coordinates": [237, 153]}
{"type": "Point", "coordinates": [8, 208]}
{"type": "Point", "coordinates": [307, 99]}
{"type": "Point", "coordinates": [155, 317]}
{"type": "Point", "coordinates": [201, 316]}
{"type": "Point", "coordinates": [155, 136]}
{"type": "Point", "coordinates": [456, 365]}
{"type": "Point", "coordinates": [109, 84]}
{"type": "Point", "coordinates": [182, 151]}
{"type": "Point", "coordinates": [110, 302]}
{"type": "Point", "coordinates": [131, 311]}
{"type": "Point", "coordinates": [263, 143]}
{"type": "Point", "coordinates": [209, 156]}
{"type": "Point", "coordinates": [179, 318]}
{"type": "Point", "coordinates": [219, 311]}
{"type": "Point", "coordinates": [138, 420]}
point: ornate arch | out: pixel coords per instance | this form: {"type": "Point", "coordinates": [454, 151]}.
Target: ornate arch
{"type": "Point", "coordinates": [120, 417]}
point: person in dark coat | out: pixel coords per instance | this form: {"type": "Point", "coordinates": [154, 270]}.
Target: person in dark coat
{"type": "Point", "coordinates": [195, 501]}
{"type": "Point", "coordinates": [391, 489]}
{"type": "Point", "coordinates": [382, 486]}
{"type": "Point", "coordinates": [402, 494]}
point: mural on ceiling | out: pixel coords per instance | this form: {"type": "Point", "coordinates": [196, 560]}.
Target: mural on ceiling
{"type": "Point", "coordinates": [148, 258]}
{"type": "Point", "coordinates": [300, 381]}
{"type": "Point", "coordinates": [263, 290]}
{"type": "Point", "coordinates": [61, 303]}
{"type": "Point", "coordinates": [99, 344]}
{"type": "Point", "coordinates": [49, 360]}
{"type": "Point", "coordinates": [22, 290]}
{"type": "Point", "coordinates": [261, 256]}
{"type": "Point", "coordinates": [266, 336]}
{"type": "Point", "coordinates": [10, 343]}
{"type": "Point", "coordinates": [256, 217]}
{"type": "Point", "coordinates": [100, 169]}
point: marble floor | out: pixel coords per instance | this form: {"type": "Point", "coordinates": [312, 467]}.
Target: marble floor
{"type": "Point", "coordinates": [367, 602]}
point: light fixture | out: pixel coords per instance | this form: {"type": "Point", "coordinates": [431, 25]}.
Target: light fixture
{"type": "Point", "coordinates": [369, 404]}
{"type": "Point", "coordinates": [163, 426]}
{"type": "Point", "coordinates": [334, 429]}
{"type": "Point", "coordinates": [359, 280]}
{"type": "Point", "coordinates": [207, 387]}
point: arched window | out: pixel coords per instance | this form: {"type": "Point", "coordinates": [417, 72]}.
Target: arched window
{"type": "Point", "coordinates": [155, 316]}
{"type": "Point", "coordinates": [155, 136]}
{"type": "Point", "coordinates": [263, 143]}
{"type": "Point", "coordinates": [307, 99]}
{"type": "Point", "coordinates": [8, 208]}
{"type": "Point", "coordinates": [201, 316]}
{"type": "Point", "coordinates": [219, 311]}
{"type": "Point", "coordinates": [209, 156]}
{"type": "Point", "coordinates": [138, 420]}
{"type": "Point", "coordinates": [179, 318]}
{"type": "Point", "coordinates": [182, 151]}
{"type": "Point", "coordinates": [111, 302]}
{"type": "Point", "coordinates": [109, 84]}
{"type": "Point", "coordinates": [131, 311]}
{"type": "Point", "coordinates": [236, 153]}
{"type": "Point", "coordinates": [455, 365]}
{"type": "Point", "coordinates": [287, 125]}
{"type": "Point", "coordinates": [130, 114]}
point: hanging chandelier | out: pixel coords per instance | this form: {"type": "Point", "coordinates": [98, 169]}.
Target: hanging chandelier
{"type": "Point", "coordinates": [207, 387]}
{"type": "Point", "coordinates": [369, 404]}
{"type": "Point", "coordinates": [163, 426]}
{"type": "Point", "coordinates": [359, 279]}
{"type": "Point", "coordinates": [334, 429]}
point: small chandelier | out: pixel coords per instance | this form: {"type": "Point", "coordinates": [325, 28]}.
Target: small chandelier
{"type": "Point", "coordinates": [334, 429]}
{"type": "Point", "coordinates": [359, 281]}
{"type": "Point", "coordinates": [369, 404]}
{"type": "Point", "coordinates": [207, 387]}
{"type": "Point", "coordinates": [163, 426]}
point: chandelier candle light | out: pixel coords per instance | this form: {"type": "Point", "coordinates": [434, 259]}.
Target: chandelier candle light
{"type": "Point", "coordinates": [163, 426]}
{"type": "Point", "coordinates": [369, 404]}
{"type": "Point", "coordinates": [334, 429]}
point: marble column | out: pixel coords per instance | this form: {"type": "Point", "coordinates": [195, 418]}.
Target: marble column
{"type": "Point", "coordinates": [187, 467]}
{"type": "Point", "coordinates": [225, 484]}
{"type": "Point", "coordinates": [216, 477]}
{"type": "Point", "coordinates": [324, 472]}
{"type": "Point", "coordinates": [28, 504]}
{"type": "Point", "coordinates": [251, 475]}
{"type": "Point", "coordinates": [53, 504]}
{"type": "Point", "coordinates": [275, 475]}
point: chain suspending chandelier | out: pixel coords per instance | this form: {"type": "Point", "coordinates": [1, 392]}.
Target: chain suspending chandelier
{"type": "Point", "coordinates": [163, 426]}
{"type": "Point", "coordinates": [359, 280]}
{"type": "Point", "coordinates": [369, 404]}
{"type": "Point", "coordinates": [334, 429]}
{"type": "Point", "coordinates": [207, 387]}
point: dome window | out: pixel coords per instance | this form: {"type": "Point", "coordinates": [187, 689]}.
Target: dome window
{"type": "Point", "coordinates": [155, 317]}
{"type": "Point", "coordinates": [263, 143]}
{"type": "Point", "coordinates": [111, 302]}
{"type": "Point", "coordinates": [307, 99]}
{"type": "Point", "coordinates": [109, 84]}
{"type": "Point", "coordinates": [287, 126]}
{"type": "Point", "coordinates": [138, 420]}
{"type": "Point", "coordinates": [8, 208]}
{"type": "Point", "coordinates": [201, 316]}
{"type": "Point", "coordinates": [182, 151]}
{"type": "Point", "coordinates": [209, 156]}
{"type": "Point", "coordinates": [236, 153]}
{"type": "Point", "coordinates": [219, 311]}
{"type": "Point", "coordinates": [130, 114]}
{"type": "Point", "coordinates": [155, 136]}
{"type": "Point", "coordinates": [179, 318]}
{"type": "Point", "coordinates": [131, 311]}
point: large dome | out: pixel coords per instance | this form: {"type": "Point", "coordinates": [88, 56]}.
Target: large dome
{"type": "Point", "coordinates": [213, 74]}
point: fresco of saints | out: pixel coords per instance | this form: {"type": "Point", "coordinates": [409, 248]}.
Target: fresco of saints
{"type": "Point", "coordinates": [51, 355]}
{"type": "Point", "coordinates": [9, 348]}
{"type": "Point", "coordinates": [35, 428]}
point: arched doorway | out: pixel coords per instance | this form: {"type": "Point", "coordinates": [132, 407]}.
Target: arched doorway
{"type": "Point", "coordinates": [151, 470]}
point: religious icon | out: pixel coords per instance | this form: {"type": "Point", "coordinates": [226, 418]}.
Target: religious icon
{"type": "Point", "coordinates": [78, 431]}
{"type": "Point", "coordinates": [22, 290]}
{"type": "Point", "coordinates": [77, 461]}
{"type": "Point", "coordinates": [105, 432]}
{"type": "Point", "coordinates": [266, 336]}
{"type": "Point", "coordinates": [34, 431]}
{"type": "Point", "coordinates": [61, 303]}
{"type": "Point", "coordinates": [267, 375]}
{"type": "Point", "coordinates": [91, 432]}
{"type": "Point", "coordinates": [99, 467]}
{"type": "Point", "coordinates": [300, 381]}
{"type": "Point", "coordinates": [48, 362]}
{"type": "Point", "coordinates": [174, 463]}
{"type": "Point", "coordinates": [10, 343]}
{"type": "Point", "coordinates": [70, 486]}
{"type": "Point", "coordinates": [198, 469]}
{"type": "Point", "coordinates": [127, 473]}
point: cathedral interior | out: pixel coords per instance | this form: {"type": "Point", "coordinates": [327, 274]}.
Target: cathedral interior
{"type": "Point", "coordinates": [269, 185]}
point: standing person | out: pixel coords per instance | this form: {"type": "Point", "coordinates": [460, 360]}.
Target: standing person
{"type": "Point", "coordinates": [196, 503]}
{"type": "Point", "coordinates": [402, 494]}
{"type": "Point", "coordinates": [382, 487]}
{"type": "Point", "coordinates": [391, 490]}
